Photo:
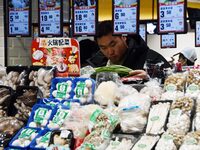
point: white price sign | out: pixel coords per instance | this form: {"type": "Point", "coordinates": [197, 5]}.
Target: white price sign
{"type": "Point", "coordinates": [168, 41]}
{"type": "Point", "coordinates": [18, 18]}
{"type": "Point", "coordinates": [197, 34]}
{"type": "Point", "coordinates": [171, 16]}
{"type": "Point", "coordinates": [125, 17]}
{"type": "Point", "coordinates": [50, 18]}
{"type": "Point", "coordinates": [84, 18]}
{"type": "Point", "coordinates": [142, 31]}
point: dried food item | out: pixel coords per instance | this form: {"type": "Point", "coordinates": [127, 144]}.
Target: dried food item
{"type": "Point", "coordinates": [5, 97]}
{"type": "Point", "coordinates": [191, 141]}
{"type": "Point", "coordinates": [42, 78]}
{"type": "Point", "coordinates": [175, 82]}
{"type": "Point", "coordinates": [179, 118]}
{"type": "Point", "coordinates": [25, 102]}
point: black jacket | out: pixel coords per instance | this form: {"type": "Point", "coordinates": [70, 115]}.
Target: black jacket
{"type": "Point", "coordinates": [137, 54]}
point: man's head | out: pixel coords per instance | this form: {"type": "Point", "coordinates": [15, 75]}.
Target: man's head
{"type": "Point", "coordinates": [113, 47]}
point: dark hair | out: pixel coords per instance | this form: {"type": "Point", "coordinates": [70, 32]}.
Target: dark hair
{"type": "Point", "coordinates": [104, 28]}
{"type": "Point", "coordinates": [189, 63]}
{"type": "Point", "coordinates": [87, 49]}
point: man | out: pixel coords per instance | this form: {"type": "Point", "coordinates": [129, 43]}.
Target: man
{"type": "Point", "coordinates": [130, 51]}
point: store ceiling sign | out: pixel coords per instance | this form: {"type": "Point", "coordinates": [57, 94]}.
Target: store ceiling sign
{"type": "Point", "coordinates": [125, 16]}
{"type": "Point", "coordinates": [84, 17]}
{"type": "Point", "coordinates": [168, 40]}
{"type": "Point", "coordinates": [197, 34]}
{"type": "Point", "coordinates": [19, 17]}
{"type": "Point", "coordinates": [172, 16]}
{"type": "Point", "coordinates": [50, 17]}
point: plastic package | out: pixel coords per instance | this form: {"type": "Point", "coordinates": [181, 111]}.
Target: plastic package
{"type": "Point", "coordinates": [157, 118]}
{"type": "Point", "coordinates": [121, 141]}
{"type": "Point", "coordinates": [191, 141]}
{"type": "Point", "coordinates": [196, 120]}
{"type": "Point", "coordinates": [24, 137]}
{"type": "Point", "coordinates": [168, 95]}
{"type": "Point", "coordinates": [146, 142]}
{"type": "Point", "coordinates": [166, 142]}
{"type": "Point", "coordinates": [180, 113]}
{"type": "Point", "coordinates": [133, 112]}
{"type": "Point", "coordinates": [152, 89]}
{"type": "Point", "coordinates": [39, 116]}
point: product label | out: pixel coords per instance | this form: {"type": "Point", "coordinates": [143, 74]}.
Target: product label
{"type": "Point", "coordinates": [60, 116]}
{"type": "Point", "coordinates": [168, 137]}
{"type": "Point", "coordinates": [155, 118]}
{"type": "Point", "coordinates": [176, 112]}
{"type": "Point", "coordinates": [40, 115]}
{"type": "Point", "coordinates": [95, 114]}
{"type": "Point", "coordinates": [45, 138]}
{"type": "Point", "coordinates": [170, 88]}
{"type": "Point", "coordinates": [192, 88]}
{"type": "Point", "coordinates": [80, 87]}
{"type": "Point", "coordinates": [26, 133]}
{"type": "Point", "coordinates": [191, 141]}
{"type": "Point", "coordinates": [142, 146]}
{"type": "Point", "coordinates": [62, 90]}
{"type": "Point", "coordinates": [64, 134]}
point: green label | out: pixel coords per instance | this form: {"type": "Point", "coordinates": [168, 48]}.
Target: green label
{"type": "Point", "coordinates": [193, 88]}
{"type": "Point", "coordinates": [170, 87]}
{"type": "Point", "coordinates": [191, 141]}
{"type": "Point", "coordinates": [45, 138]}
{"type": "Point", "coordinates": [155, 118]}
{"type": "Point", "coordinates": [105, 134]}
{"type": "Point", "coordinates": [68, 104]}
{"type": "Point", "coordinates": [142, 146]}
{"type": "Point", "coordinates": [80, 89]}
{"type": "Point", "coordinates": [26, 133]}
{"type": "Point", "coordinates": [60, 116]}
{"type": "Point", "coordinates": [176, 112]}
{"type": "Point", "coordinates": [95, 114]}
{"type": "Point", "coordinates": [168, 137]}
{"type": "Point", "coordinates": [40, 115]}
{"type": "Point", "coordinates": [61, 90]}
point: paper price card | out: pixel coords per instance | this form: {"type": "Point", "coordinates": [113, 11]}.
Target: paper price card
{"type": "Point", "coordinates": [50, 17]}
{"type": "Point", "coordinates": [168, 41]}
{"type": "Point", "coordinates": [63, 53]}
{"type": "Point", "coordinates": [143, 31]}
{"type": "Point", "coordinates": [197, 34]}
{"type": "Point", "coordinates": [172, 16]}
{"type": "Point", "coordinates": [19, 17]}
{"type": "Point", "coordinates": [84, 17]}
{"type": "Point", "coordinates": [125, 16]}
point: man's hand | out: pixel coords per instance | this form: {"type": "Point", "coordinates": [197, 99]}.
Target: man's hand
{"type": "Point", "coordinates": [139, 73]}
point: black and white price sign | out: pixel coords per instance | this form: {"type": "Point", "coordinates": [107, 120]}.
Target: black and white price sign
{"type": "Point", "coordinates": [84, 17]}
{"type": "Point", "coordinates": [168, 40]}
{"type": "Point", "coordinates": [143, 31]}
{"type": "Point", "coordinates": [172, 16]}
{"type": "Point", "coordinates": [50, 17]}
{"type": "Point", "coordinates": [125, 16]}
{"type": "Point", "coordinates": [197, 34]}
{"type": "Point", "coordinates": [19, 17]}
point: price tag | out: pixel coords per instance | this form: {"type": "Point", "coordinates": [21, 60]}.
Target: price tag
{"type": "Point", "coordinates": [168, 41]}
{"type": "Point", "coordinates": [84, 18]}
{"type": "Point", "coordinates": [142, 31]}
{"type": "Point", "coordinates": [125, 15]}
{"type": "Point", "coordinates": [171, 16]}
{"type": "Point", "coordinates": [50, 17]}
{"type": "Point", "coordinates": [19, 17]}
{"type": "Point", "coordinates": [197, 34]}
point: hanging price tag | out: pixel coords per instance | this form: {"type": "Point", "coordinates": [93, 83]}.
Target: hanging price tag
{"type": "Point", "coordinates": [125, 17]}
{"type": "Point", "coordinates": [50, 17]}
{"type": "Point", "coordinates": [197, 34]}
{"type": "Point", "coordinates": [84, 18]}
{"type": "Point", "coordinates": [172, 16]}
{"type": "Point", "coordinates": [19, 18]}
{"type": "Point", "coordinates": [168, 41]}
